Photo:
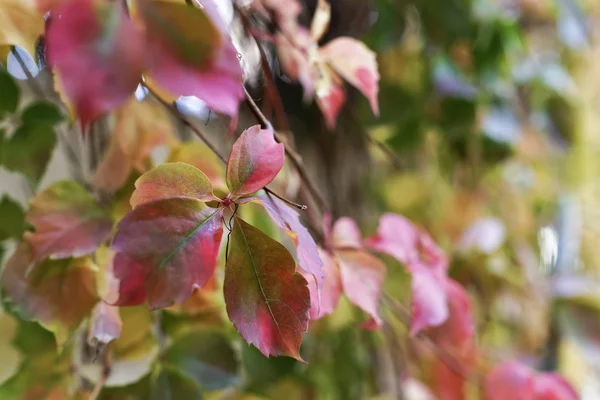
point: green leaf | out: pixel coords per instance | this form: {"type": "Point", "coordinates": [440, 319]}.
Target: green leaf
{"type": "Point", "coordinates": [9, 94]}
{"type": "Point", "coordinates": [41, 114]}
{"type": "Point", "coordinates": [168, 384]}
{"type": "Point", "coordinates": [206, 357]}
{"type": "Point", "coordinates": [13, 219]}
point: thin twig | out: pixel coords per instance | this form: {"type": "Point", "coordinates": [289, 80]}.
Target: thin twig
{"type": "Point", "coordinates": [106, 369]}
{"type": "Point", "coordinates": [393, 157]}
{"type": "Point", "coordinates": [207, 142]}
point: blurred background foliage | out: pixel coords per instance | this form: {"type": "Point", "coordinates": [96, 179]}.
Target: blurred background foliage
{"type": "Point", "coordinates": [488, 138]}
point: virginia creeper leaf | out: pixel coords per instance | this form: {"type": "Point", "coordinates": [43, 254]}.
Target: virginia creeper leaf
{"type": "Point", "coordinates": [429, 303]}
{"type": "Point", "coordinates": [68, 222]}
{"type": "Point", "coordinates": [172, 180]}
{"type": "Point", "coordinates": [41, 113]}
{"type": "Point", "coordinates": [330, 92]}
{"type": "Point", "coordinates": [11, 357]}
{"type": "Point", "coordinates": [321, 19]}
{"type": "Point", "coordinates": [267, 301]}
{"type": "Point", "coordinates": [9, 97]}
{"type": "Point", "coordinates": [345, 233]}
{"type": "Point", "coordinates": [105, 324]}
{"type": "Point", "coordinates": [58, 294]}
{"type": "Point", "coordinates": [357, 64]}
{"type": "Point", "coordinates": [141, 126]}
{"type": "Point", "coordinates": [449, 384]}
{"type": "Point", "coordinates": [288, 219]}
{"type": "Point", "coordinates": [551, 386]}
{"type": "Point", "coordinates": [510, 380]}
{"type": "Point", "coordinates": [165, 249]}
{"type": "Point", "coordinates": [200, 156]}
{"type": "Point", "coordinates": [98, 52]}
{"type": "Point", "coordinates": [20, 24]}
{"type": "Point", "coordinates": [12, 217]}
{"type": "Point", "coordinates": [204, 356]}
{"type": "Point", "coordinates": [330, 292]}
{"type": "Point", "coordinates": [255, 159]}
{"type": "Point", "coordinates": [362, 279]}
{"type": "Point", "coordinates": [191, 53]}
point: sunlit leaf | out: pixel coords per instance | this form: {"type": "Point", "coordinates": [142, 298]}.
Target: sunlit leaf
{"type": "Point", "coordinates": [201, 157]}
{"type": "Point", "coordinates": [165, 249]}
{"type": "Point", "coordinates": [68, 222]}
{"type": "Point", "coordinates": [10, 355]}
{"type": "Point", "coordinates": [172, 180]}
{"type": "Point", "coordinates": [98, 52]}
{"type": "Point", "coordinates": [267, 301]}
{"type": "Point", "coordinates": [321, 19]}
{"type": "Point", "coordinates": [255, 159]}
{"type": "Point", "coordinates": [20, 24]}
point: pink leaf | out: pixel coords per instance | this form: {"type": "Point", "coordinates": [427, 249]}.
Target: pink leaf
{"type": "Point", "coordinates": [191, 53]}
{"type": "Point", "coordinates": [172, 180]}
{"type": "Point", "coordinates": [267, 301]}
{"type": "Point", "coordinates": [255, 159]}
{"type": "Point", "coordinates": [429, 306]}
{"type": "Point", "coordinates": [331, 96]}
{"type": "Point", "coordinates": [510, 380]}
{"type": "Point", "coordinates": [346, 233]}
{"type": "Point", "coordinates": [98, 52]}
{"type": "Point", "coordinates": [362, 279]}
{"type": "Point", "coordinates": [448, 383]}
{"type": "Point", "coordinates": [105, 324]}
{"type": "Point", "coordinates": [551, 386]}
{"type": "Point", "coordinates": [165, 249]}
{"type": "Point", "coordinates": [68, 222]}
{"type": "Point", "coordinates": [287, 219]}
{"type": "Point", "coordinates": [294, 59]}
{"type": "Point", "coordinates": [331, 291]}
{"type": "Point", "coordinates": [356, 64]}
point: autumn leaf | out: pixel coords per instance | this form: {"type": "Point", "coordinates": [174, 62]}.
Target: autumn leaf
{"type": "Point", "coordinates": [345, 233]}
{"type": "Point", "coordinates": [255, 159]}
{"type": "Point", "coordinates": [429, 303]}
{"type": "Point", "coordinates": [321, 19]}
{"type": "Point", "coordinates": [46, 292]}
{"type": "Point", "coordinates": [330, 92]}
{"type": "Point", "coordinates": [105, 325]}
{"type": "Point", "coordinates": [67, 222]}
{"type": "Point", "coordinates": [191, 53]}
{"type": "Point", "coordinates": [324, 302]}
{"type": "Point", "coordinates": [20, 24]}
{"type": "Point", "coordinates": [266, 300]}
{"type": "Point", "coordinates": [200, 156]}
{"type": "Point", "coordinates": [98, 53]}
{"type": "Point", "coordinates": [357, 64]}
{"type": "Point", "coordinates": [140, 127]}
{"type": "Point", "coordinates": [288, 220]}
{"type": "Point", "coordinates": [172, 180]}
{"type": "Point", "coordinates": [166, 249]}
{"type": "Point", "coordinates": [362, 279]}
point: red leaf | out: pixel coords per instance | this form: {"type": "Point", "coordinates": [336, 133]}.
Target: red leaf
{"type": "Point", "coordinates": [346, 234]}
{"type": "Point", "coordinates": [287, 219]}
{"type": "Point", "coordinates": [266, 300]}
{"type": "Point", "coordinates": [98, 52]}
{"type": "Point", "coordinates": [191, 53]}
{"type": "Point", "coordinates": [510, 380]}
{"type": "Point", "coordinates": [331, 94]}
{"type": "Point", "coordinates": [58, 294]}
{"type": "Point", "coordinates": [166, 248]}
{"type": "Point", "coordinates": [551, 386]}
{"type": "Point", "coordinates": [429, 304]}
{"type": "Point", "coordinates": [67, 221]}
{"type": "Point", "coordinates": [172, 180]}
{"type": "Point", "coordinates": [362, 279]}
{"type": "Point", "coordinates": [456, 333]}
{"type": "Point", "coordinates": [255, 159]}
{"type": "Point", "coordinates": [448, 383]}
{"type": "Point", "coordinates": [330, 292]}
{"type": "Point", "coordinates": [105, 324]}
{"type": "Point", "coordinates": [356, 63]}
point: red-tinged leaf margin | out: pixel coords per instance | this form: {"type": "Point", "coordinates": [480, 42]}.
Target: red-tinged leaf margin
{"type": "Point", "coordinates": [172, 180]}
{"type": "Point", "coordinates": [255, 160]}
{"type": "Point", "coordinates": [165, 249]}
{"type": "Point", "coordinates": [98, 53]}
{"type": "Point", "coordinates": [267, 301]}
{"type": "Point", "coordinates": [331, 291]}
{"type": "Point", "coordinates": [68, 222]}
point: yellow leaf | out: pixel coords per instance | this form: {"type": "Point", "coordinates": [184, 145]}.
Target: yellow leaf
{"type": "Point", "coordinates": [20, 24]}
{"type": "Point", "coordinates": [11, 358]}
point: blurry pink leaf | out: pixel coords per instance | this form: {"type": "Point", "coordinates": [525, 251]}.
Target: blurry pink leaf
{"type": "Point", "coordinates": [58, 294]}
{"type": "Point", "coordinates": [255, 159]}
{"type": "Point", "coordinates": [98, 52]}
{"type": "Point", "coordinates": [356, 63]}
{"type": "Point", "coordinates": [510, 380]}
{"type": "Point", "coordinates": [172, 180]}
{"type": "Point", "coordinates": [191, 53]}
{"type": "Point", "coordinates": [68, 222]}
{"type": "Point", "coordinates": [105, 324]}
{"type": "Point", "coordinates": [449, 384]}
{"type": "Point", "coordinates": [346, 233]}
{"type": "Point", "coordinates": [330, 92]}
{"type": "Point", "coordinates": [288, 219]}
{"type": "Point", "coordinates": [551, 386]}
{"type": "Point", "coordinates": [429, 303]}
{"type": "Point", "coordinates": [294, 59]}
{"type": "Point", "coordinates": [267, 301]}
{"type": "Point", "coordinates": [362, 279]}
{"type": "Point", "coordinates": [457, 332]}
{"type": "Point", "coordinates": [166, 249]}
{"type": "Point", "coordinates": [321, 19]}
{"type": "Point", "coordinates": [330, 292]}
